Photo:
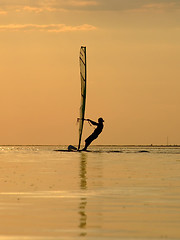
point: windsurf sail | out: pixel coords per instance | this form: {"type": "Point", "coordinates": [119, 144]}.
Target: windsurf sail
{"type": "Point", "coordinates": [83, 77]}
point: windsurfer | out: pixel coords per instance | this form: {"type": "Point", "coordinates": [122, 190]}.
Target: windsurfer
{"type": "Point", "coordinates": [96, 132]}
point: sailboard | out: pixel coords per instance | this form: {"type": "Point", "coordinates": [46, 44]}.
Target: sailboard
{"type": "Point", "coordinates": [83, 78]}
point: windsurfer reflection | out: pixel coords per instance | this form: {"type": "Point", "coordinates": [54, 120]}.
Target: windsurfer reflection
{"type": "Point", "coordinates": [96, 132]}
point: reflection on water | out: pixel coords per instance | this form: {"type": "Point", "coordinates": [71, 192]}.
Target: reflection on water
{"type": "Point", "coordinates": [98, 195]}
{"type": "Point", "coordinates": [83, 200]}
{"type": "Point", "coordinates": [91, 195]}
{"type": "Point", "coordinates": [83, 171]}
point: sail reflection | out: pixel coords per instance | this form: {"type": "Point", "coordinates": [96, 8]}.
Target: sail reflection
{"type": "Point", "coordinates": [83, 200]}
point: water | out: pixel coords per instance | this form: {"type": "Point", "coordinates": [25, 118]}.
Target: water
{"type": "Point", "coordinates": [111, 192]}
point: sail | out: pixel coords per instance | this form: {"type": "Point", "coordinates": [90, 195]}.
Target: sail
{"type": "Point", "coordinates": [83, 76]}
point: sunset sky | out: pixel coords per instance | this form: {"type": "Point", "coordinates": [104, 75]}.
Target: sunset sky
{"type": "Point", "coordinates": [133, 51]}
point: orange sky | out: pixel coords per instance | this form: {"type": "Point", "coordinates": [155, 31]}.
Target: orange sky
{"type": "Point", "coordinates": [133, 52]}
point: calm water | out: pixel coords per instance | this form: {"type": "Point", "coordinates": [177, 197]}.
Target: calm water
{"type": "Point", "coordinates": [112, 192]}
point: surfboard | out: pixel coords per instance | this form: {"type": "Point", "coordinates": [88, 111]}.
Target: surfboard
{"type": "Point", "coordinates": [88, 151]}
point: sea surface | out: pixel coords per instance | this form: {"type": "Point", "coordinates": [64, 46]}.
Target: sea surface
{"type": "Point", "coordinates": [108, 193]}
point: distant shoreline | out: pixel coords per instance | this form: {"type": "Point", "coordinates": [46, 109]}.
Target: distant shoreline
{"type": "Point", "coordinates": [101, 145]}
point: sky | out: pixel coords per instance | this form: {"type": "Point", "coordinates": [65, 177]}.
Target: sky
{"type": "Point", "coordinates": [133, 55]}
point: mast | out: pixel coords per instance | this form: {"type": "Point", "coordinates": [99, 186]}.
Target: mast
{"type": "Point", "coordinates": [83, 78]}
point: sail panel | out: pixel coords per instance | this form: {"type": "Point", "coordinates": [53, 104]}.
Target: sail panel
{"type": "Point", "coordinates": [83, 77]}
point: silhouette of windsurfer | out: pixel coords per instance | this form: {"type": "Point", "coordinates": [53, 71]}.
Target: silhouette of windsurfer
{"type": "Point", "coordinates": [96, 132]}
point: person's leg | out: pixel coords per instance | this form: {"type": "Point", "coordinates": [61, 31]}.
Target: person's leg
{"type": "Point", "coordinates": [88, 141]}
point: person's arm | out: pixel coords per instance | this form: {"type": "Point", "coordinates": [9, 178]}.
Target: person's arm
{"type": "Point", "coordinates": [89, 120]}
{"type": "Point", "coordinates": [92, 122]}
